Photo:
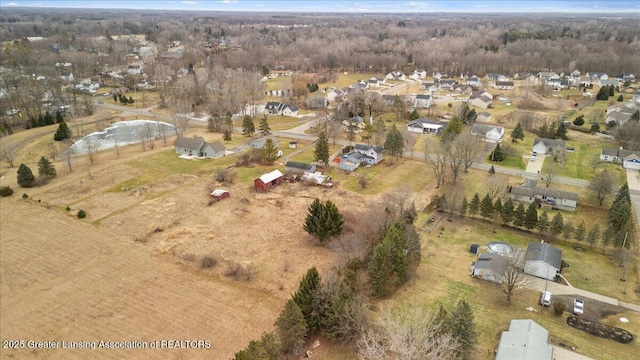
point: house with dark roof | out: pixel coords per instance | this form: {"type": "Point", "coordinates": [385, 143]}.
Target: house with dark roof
{"type": "Point", "coordinates": [490, 267]}
{"type": "Point", "coordinates": [299, 168]}
{"type": "Point", "coordinates": [350, 161]}
{"type": "Point", "coordinates": [423, 101]}
{"type": "Point", "coordinates": [630, 159]}
{"type": "Point", "coordinates": [425, 126]}
{"type": "Point", "coordinates": [556, 199]}
{"type": "Point", "coordinates": [259, 143]}
{"type": "Point", "coordinates": [525, 340]}
{"type": "Point", "coordinates": [474, 81]}
{"type": "Point", "coordinates": [503, 85]}
{"type": "Point", "coordinates": [542, 260]}
{"type": "Point", "coordinates": [371, 155]}
{"type": "Point", "coordinates": [547, 146]}
{"type": "Point", "coordinates": [198, 147]}
{"type": "Point", "coordinates": [488, 133]}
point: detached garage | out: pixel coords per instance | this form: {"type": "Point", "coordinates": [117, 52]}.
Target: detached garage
{"type": "Point", "coordinates": [543, 260]}
{"type": "Point", "coordinates": [266, 181]}
{"type": "Point", "coordinates": [631, 161]}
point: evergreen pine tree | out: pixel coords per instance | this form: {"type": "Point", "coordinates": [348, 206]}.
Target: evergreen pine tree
{"type": "Point", "coordinates": [497, 207]}
{"type": "Point", "coordinates": [508, 212]}
{"type": "Point", "coordinates": [46, 168]}
{"type": "Point", "coordinates": [41, 120]}
{"type": "Point", "coordinates": [323, 220]}
{"type": "Point", "coordinates": [464, 206]}
{"type": "Point", "coordinates": [305, 297]}
{"type": "Point", "coordinates": [394, 143]}
{"type": "Point", "coordinates": [269, 152]}
{"type": "Point", "coordinates": [227, 135]}
{"type": "Point", "coordinates": [561, 131]}
{"type": "Point", "coordinates": [59, 118]}
{"type": "Point", "coordinates": [264, 128]}
{"type": "Point", "coordinates": [265, 349]}
{"type": "Point", "coordinates": [474, 206]}
{"type": "Point", "coordinates": [581, 232]}
{"type": "Point", "coordinates": [543, 222]}
{"type": "Point", "coordinates": [389, 263]}
{"type": "Point", "coordinates": [291, 328]}
{"type": "Point", "coordinates": [48, 118]}
{"type": "Point", "coordinates": [130, 99]}
{"type": "Point", "coordinates": [593, 235]}
{"type": "Point", "coordinates": [607, 237]}
{"type": "Point", "coordinates": [25, 176]}
{"type": "Point", "coordinates": [453, 128]}
{"type": "Point", "coordinates": [486, 207]}
{"type": "Point", "coordinates": [321, 152]}
{"type": "Point", "coordinates": [492, 170]}
{"type": "Point", "coordinates": [414, 115]}
{"type": "Point", "coordinates": [620, 215]}
{"type": "Point", "coordinates": [531, 216]}
{"type": "Point", "coordinates": [518, 216]}
{"type": "Point", "coordinates": [567, 231]}
{"type": "Point", "coordinates": [63, 132]}
{"type": "Point", "coordinates": [497, 154]}
{"type": "Point", "coordinates": [517, 133]}
{"type": "Point", "coordinates": [379, 269]}
{"type": "Point", "coordinates": [557, 224]}
{"type": "Point", "coordinates": [248, 127]}
{"type": "Point", "coordinates": [462, 327]}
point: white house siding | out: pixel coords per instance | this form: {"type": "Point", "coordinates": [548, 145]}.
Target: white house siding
{"type": "Point", "coordinates": [540, 148]}
{"type": "Point", "coordinates": [632, 163]}
{"type": "Point", "coordinates": [540, 269]}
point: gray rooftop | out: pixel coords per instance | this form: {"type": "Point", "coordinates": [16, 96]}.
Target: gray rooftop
{"type": "Point", "coordinates": [540, 191]}
{"type": "Point", "coordinates": [525, 340]}
{"type": "Point", "coordinates": [544, 252]}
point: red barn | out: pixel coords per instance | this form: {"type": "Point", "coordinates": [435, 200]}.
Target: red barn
{"type": "Point", "coordinates": [220, 194]}
{"type": "Point", "coordinates": [268, 180]}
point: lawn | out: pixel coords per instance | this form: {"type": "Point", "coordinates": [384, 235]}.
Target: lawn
{"type": "Point", "coordinates": [442, 279]}
{"type": "Point", "coordinates": [389, 175]}
{"type": "Point", "coordinates": [345, 80]}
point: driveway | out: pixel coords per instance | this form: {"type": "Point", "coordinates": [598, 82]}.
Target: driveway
{"type": "Point", "coordinates": [535, 166]}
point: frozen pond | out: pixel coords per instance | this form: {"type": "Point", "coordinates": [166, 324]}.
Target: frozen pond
{"type": "Point", "coordinates": [123, 133]}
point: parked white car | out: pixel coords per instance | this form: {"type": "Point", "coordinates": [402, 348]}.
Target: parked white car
{"type": "Point", "coordinates": [545, 299]}
{"type": "Point", "coordinates": [578, 307]}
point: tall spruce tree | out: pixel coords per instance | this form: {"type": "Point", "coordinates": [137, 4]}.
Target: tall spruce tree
{"type": "Point", "coordinates": [25, 176]}
{"type": "Point", "coordinates": [567, 231]}
{"type": "Point", "coordinates": [305, 297]}
{"type": "Point", "coordinates": [486, 207]}
{"type": "Point", "coordinates": [324, 220]}
{"type": "Point", "coordinates": [519, 215]}
{"type": "Point", "coordinates": [531, 216]}
{"type": "Point", "coordinates": [291, 328]}
{"type": "Point", "coordinates": [388, 266]}
{"type": "Point", "coordinates": [593, 235]}
{"type": "Point", "coordinates": [63, 132]}
{"type": "Point", "coordinates": [264, 128]}
{"type": "Point", "coordinates": [394, 143]}
{"type": "Point", "coordinates": [453, 128]}
{"type": "Point", "coordinates": [557, 225]}
{"type": "Point", "coordinates": [461, 325]}
{"type": "Point", "coordinates": [474, 205]}
{"type": "Point", "coordinates": [508, 212]}
{"type": "Point", "coordinates": [321, 152]}
{"type": "Point", "coordinates": [517, 133]}
{"type": "Point", "coordinates": [248, 127]}
{"type": "Point", "coordinates": [59, 118]}
{"type": "Point", "coordinates": [543, 222]}
{"type": "Point", "coordinates": [581, 232]}
{"type": "Point", "coordinates": [46, 168]}
{"type": "Point", "coordinates": [269, 152]}
{"type": "Point", "coordinates": [607, 237]}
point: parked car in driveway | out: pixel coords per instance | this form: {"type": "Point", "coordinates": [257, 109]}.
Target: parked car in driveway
{"type": "Point", "coordinates": [545, 299]}
{"type": "Point", "coordinates": [578, 306]}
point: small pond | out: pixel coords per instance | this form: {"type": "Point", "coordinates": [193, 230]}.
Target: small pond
{"type": "Point", "coordinates": [123, 133]}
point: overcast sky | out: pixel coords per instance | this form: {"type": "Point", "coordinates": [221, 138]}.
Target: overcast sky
{"type": "Point", "coordinates": [369, 6]}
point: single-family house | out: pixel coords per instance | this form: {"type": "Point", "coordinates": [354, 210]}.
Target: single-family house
{"type": "Point", "coordinates": [198, 147]}
{"type": "Point", "coordinates": [134, 69]}
{"type": "Point", "coordinates": [360, 86]}
{"type": "Point", "coordinates": [546, 75]}
{"type": "Point", "coordinates": [66, 76]}
{"type": "Point", "coordinates": [396, 75]}
{"type": "Point", "coordinates": [503, 85]}
{"type": "Point", "coordinates": [446, 84]}
{"type": "Point", "coordinates": [425, 126]}
{"type": "Point", "coordinates": [547, 146]}
{"type": "Point", "coordinates": [474, 81]}
{"type": "Point", "coordinates": [273, 108]}
{"type": "Point", "coordinates": [423, 101]}
{"type": "Point", "coordinates": [335, 95]}
{"type": "Point", "coordinates": [609, 82]}
{"type": "Point", "coordinates": [496, 77]}
{"type": "Point", "coordinates": [418, 74]}
{"type": "Point", "coordinates": [481, 101]}
{"type": "Point", "coordinates": [525, 340]}
{"type": "Point", "coordinates": [490, 267]}
{"type": "Point", "coordinates": [594, 75]}
{"type": "Point", "coordinates": [355, 124]}
{"type": "Point", "coordinates": [556, 199]}
{"type": "Point", "coordinates": [259, 143]}
{"type": "Point", "coordinates": [298, 168]}
{"type": "Point", "coordinates": [630, 159]}
{"type": "Point", "coordinates": [267, 181]}
{"type": "Point", "coordinates": [372, 155]}
{"type": "Point", "coordinates": [483, 116]}
{"type": "Point", "coordinates": [584, 81]}
{"type": "Point", "coordinates": [626, 77]}
{"type": "Point", "coordinates": [219, 194]}
{"type": "Point", "coordinates": [542, 260]}
{"type": "Point", "coordinates": [350, 161]}
{"type": "Point", "coordinates": [430, 87]}
{"type": "Point", "coordinates": [438, 75]}
{"type": "Point", "coordinates": [290, 110]}
{"type": "Point", "coordinates": [488, 133]}
{"type": "Point", "coordinates": [618, 117]}
{"type": "Point", "coordinates": [375, 82]}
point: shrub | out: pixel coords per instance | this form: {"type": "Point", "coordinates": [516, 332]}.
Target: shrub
{"type": "Point", "coordinates": [82, 214]}
{"type": "Point", "coordinates": [208, 262]}
{"type": "Point", "coordinates": [226, 175]}
{"type": "Point", "coordinates": [559, 308]}
{"type": "Point", "coordinates": [25, 196]}
{"type": "Point", "coordinates": [5, 191]}
{"type": "Point", "coordinates": [579, 121]}
{"type": "Point", "coordinates": [238, 272]}
{"type": "Point", "coordinates": [67, 208]}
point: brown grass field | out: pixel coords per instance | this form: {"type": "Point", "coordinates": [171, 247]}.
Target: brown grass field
{"type": "Point", "coordinates": [131, 270]}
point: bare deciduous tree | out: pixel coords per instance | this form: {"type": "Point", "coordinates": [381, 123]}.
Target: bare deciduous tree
{"type": "Point", "coordinates": [602, 185]}
{"type": "Point", "coordinates": [496, 184]}
{"type": "Point", "coordinates": [408, 332]}
{"type": "Point", "coordinates": [92, 148]}
{"type": "Point", "coordinates": [436, 160]}
{"type": "Point", "coordinates": [549, 174]}
{"type": "Point", "coordinates": [452, 200]}
{"type": "Point", "coordinates": [8, 153]}
{"type": "Point", "coordinates": [512, 277]}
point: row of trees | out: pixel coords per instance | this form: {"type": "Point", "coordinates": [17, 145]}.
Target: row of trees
{"type": "Point", "coordinates": [44, 120]}
{"type": "Point", "coordinates": [46, 170]}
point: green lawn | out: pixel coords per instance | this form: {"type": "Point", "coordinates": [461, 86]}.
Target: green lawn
{"type": "Point", "coordinates": [442, 279]}
{"type": "Point", "coordinates": [348, 79]}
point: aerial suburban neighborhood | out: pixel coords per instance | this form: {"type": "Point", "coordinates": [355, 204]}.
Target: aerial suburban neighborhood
{"type": "Point", "coordinates": [288, 180]}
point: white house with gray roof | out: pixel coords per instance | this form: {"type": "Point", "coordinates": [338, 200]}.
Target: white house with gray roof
{"type": "Point", "coordinates": [543, 260]}
{"type": "Point", "coordinates": [424, 126]}
{"type": "Point", "coordinates": [556, 199]}
{"type": "Point", "coordinates": [423, 101]}
{"type": "Point", "coordinates": [198, 147]}
{"type": "Point", "coordinates": [488, 133]}
{"type": "Point", "coordinates": [525, 340]}
{"type": "Point", "coordinates": [370, 154]}
{"type": "Point", "coordinates": [547, 146]}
